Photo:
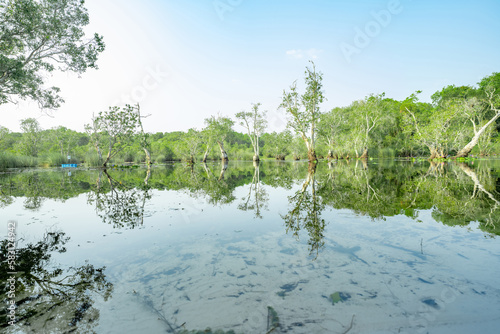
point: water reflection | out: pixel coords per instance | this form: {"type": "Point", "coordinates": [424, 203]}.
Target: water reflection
{"type": "Point", "coordinates": [48, 298]}
{"type": "Point", "coordinates": [257, 197]}
{"type": "Point", "coordinates": [182, 276]}
{"type": "Point", "coordinates": [307, 205]}
{"type": "Point", "coordinates": [118, 202]}
{"type": "Point", "coordinates": [457, 193]}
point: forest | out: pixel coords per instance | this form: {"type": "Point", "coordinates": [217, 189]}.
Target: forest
{"type": "Point", "coordinates": [459, 122]}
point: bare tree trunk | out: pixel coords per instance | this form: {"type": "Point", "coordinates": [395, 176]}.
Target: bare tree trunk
{"type": "Point", "coordinates": [208, 171]}
{"type": "Point", "coordinates": [148, 175]}
{"type": "Point", "coordinates": [108, 157]}
{"type": "Point", "coordinates": [311, 170]}
{"type": "Point", "coordinates": [464, 152]}
{"type": "Point", "coordinates": [256, 158]}
{"type": "Point", "coordinates": [99, 153]}
{"type": "Point", "coordinates": [330, 155]}
{"type": "Point", "coordinates": [434, 153]}
{"type": "Point", "coordinates": [223, 170]}
{"type": "Point", "coordinates": [148, 156]}
{"type": "Point", "coordinates": [311, 155]}
{"type": "Point", "coordinates": [223, 153]}
{"type": "Point", "coordinates": [365, 165]}
{"type": "Point", "coordinates": [364, 155]}
{"type": "Point", "coordinates": [205, 156]}
{"type": "Point", "coordinates": [472, 174]}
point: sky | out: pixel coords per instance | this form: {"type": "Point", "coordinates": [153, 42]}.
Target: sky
{"type": "Point", "coordinates": [184, 61]}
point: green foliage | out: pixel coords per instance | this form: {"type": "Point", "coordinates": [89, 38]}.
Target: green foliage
{"type": "Point", "coordinates": [304, 110]}
{"type": "Point", "coordinates": [48, 296]}
{"type": "Point", "coordinates": [455, 193]}
{"type": "Point", "coordinates": [255, 124]}
{"type": "Point", "coordinates": [190, 145]}
{"type": "Point", "coordinates": [32, 137]}
{"type": "Point", "coordinates": [10, 160]}
{"type": "Point", "coordinates": [54, 160]}
{"type": "Point", "coordinates": [276, 144]}
{"type": "Point", "coordinates": [115, 127]}
{"type": "Point", "coordinates": [216, 130]}
{"type": "Point", "coordinates": [92, 159]}
{"type": "Point", "coordinates": [385, 127]}
{"type": "Point", "coordinates": [453, 92]}
{"type": "Point", "coordinates": [38, 37]}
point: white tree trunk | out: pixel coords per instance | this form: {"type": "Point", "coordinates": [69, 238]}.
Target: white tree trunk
{"type": "Point", "coordinates": [223, 153]}
{"type": "Point", "coordinates": [148, 156]}
{"type": "Point", "coordinates": [467, 148]}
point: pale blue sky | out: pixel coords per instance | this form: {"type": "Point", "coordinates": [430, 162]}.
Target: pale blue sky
{"type": "Point", "coordinates": [186, 60]}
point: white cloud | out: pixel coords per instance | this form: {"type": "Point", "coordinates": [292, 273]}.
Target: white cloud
{"type": "Point", "coordinates": [300, 54]}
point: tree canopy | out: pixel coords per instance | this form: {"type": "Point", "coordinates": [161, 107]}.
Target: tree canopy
{"type": "Point", "coordinates": [38, 37]}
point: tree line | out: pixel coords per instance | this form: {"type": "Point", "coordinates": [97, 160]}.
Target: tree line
{"type": "Point", "coordinates": [38, 37]}
{"type": "Point", "coordinates": [458, 121]}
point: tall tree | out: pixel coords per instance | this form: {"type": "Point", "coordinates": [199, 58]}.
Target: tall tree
{"type": "Point", "coordinates": [38, 37]}
{"type": "Point", "coordinates": [365, 118]}
{"type": "Point", "coordinates": [216, 130]}
{"type": "Point", "coordinates": [95, 134]}
{"type": "Point", "coordinates": [209, 134]}
{"type": "Point", "coordinates": [32, 136]}
{"type": "Point", "coordinates": [255, 124]}
{"type": "Point", "coordinates": [65, 138]}
{"type": "Point", "coordinates": [331, 127]}
{"type": "Point", "coordinates": [191, 145]}
{"type": "Point", "coordinates": [436, 128]}
{"type": "Point", "coordinates": [116, 126]}
{"type": "Point", "coordinates": [143, 136]}
{"type": "Point", "coordinates": [304, 109]}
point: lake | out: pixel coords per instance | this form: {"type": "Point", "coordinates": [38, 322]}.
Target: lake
{"type": "Point", "coordinates": [284, 247]}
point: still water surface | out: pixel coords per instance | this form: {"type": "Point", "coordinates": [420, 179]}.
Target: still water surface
{"type": "Point", "coordinates": [383, 247]}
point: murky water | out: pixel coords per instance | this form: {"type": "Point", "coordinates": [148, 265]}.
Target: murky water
{"type": "Point", "coordinates": [383, 247]}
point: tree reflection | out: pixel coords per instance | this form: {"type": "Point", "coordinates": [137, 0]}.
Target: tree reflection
{"type": "Point", "coordinates": [455, 193]}
{"type": "Point", "coordinates": [119, 203]}
{"type": "Point", "coordinates": [6, 198]}
{"type": "Point", "coordinates": [307, 207]}
{"type": "Point", "coordinates": [51, 299]}
{"type": "Point", "coordinates": [34, 199]}
{"type": "Point", "coordinates": [257, 197]}
{"type": "Point", "coordinates": [37, 186]}
{"type": "Point", "coordinates": [367, 190]}
{"type": "Point", "coordinates": [218, 190]}
{"type": "Point", "coordinates": [491, 220]}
